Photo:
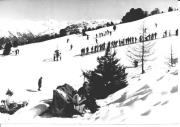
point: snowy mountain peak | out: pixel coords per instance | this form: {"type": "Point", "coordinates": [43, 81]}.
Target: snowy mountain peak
{"type": "Point", "coordinates": [50, 26]}
{"type": "Point", "coordinates": [23, 26]}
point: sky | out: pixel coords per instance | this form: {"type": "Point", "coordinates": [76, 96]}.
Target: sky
{"type": "Point", "coordinates": [73, 10]}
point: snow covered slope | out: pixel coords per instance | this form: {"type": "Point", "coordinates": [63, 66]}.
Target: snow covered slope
{"type": "Point", "coordinates": [150, 98]}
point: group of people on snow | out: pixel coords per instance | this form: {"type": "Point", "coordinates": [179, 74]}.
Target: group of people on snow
{"type": "Point", "coordinates": [122, 42]}
{"type": "Point", "coordinates": [15, 51]}
{"type": "Point", "coordinates": [9, 106]}
{"type": "Point", "coordinates": [167, 33]}
{"type": "Point", "coordinates": [115, 43]}
{"type": "Point", "coordinates": [57, 55]}
{"type": "Point", "coordinates": [105, 33]}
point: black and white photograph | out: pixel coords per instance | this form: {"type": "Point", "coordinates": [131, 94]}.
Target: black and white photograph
{"type": "Point", "coordinates": [89, 62]}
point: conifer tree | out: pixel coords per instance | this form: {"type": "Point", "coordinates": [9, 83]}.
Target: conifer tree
{"type": "Point", "coordinates": [108, 77]}
{"type": "Point", "coordinates": [7, 48]}
{"type": "Point", "coordinates": [170, 9]}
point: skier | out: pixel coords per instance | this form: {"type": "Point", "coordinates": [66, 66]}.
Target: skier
{"type": "Point", "coordinates": [39, 84]}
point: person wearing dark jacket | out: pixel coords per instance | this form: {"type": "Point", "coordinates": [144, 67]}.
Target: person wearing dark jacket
{"type": "Point", "coordinates": [39, 84]}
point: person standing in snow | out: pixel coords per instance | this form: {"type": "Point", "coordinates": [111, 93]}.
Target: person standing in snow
{"type": "Point", "coordinates": [17, 51]}
{"type": "Point", "coordinates": [96, 41]}
{"type": "Point", "coordinates": [155, 35]}
{"type": "Point", "coordinates": [57, 55]}
{"type": "Point", "coordinates": [60, 56]}
{"type": "Point", "coordinates": [67, 40]}
{"type": "Point", "coordinates": [54, 57]}
{"type": "Point", "coordinates": [39, 84]}
{"type": "Point", "coordinates": [71, 46]}
{"type": "Point", "coordinates": [176, 32]}
{"type": "Point", "coordinates": [87, 50]}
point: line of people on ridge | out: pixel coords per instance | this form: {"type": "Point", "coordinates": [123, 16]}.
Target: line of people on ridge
{"type": "Point", "coordinates": [115, 43]}
{"type": "Point", "coordinates": [125, 41]}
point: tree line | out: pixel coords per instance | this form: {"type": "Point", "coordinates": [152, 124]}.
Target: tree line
{"type": "Point", "coordinates": [138, 13]}
{"type": "Point", "coordinates": [25, 38]}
